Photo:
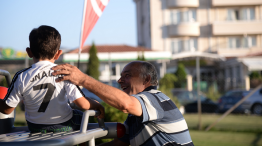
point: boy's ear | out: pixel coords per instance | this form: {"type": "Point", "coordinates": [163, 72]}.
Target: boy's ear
{"type": "Point", "coordinates": [58, 53]}
{"type": "Point", "coordinates": [29, 53]}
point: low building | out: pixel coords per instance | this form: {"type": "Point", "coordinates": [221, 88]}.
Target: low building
{"type": "Point", "coordinates": [113, 58]}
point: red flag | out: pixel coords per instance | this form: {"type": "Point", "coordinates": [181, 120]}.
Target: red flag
{"type": "Point", "coordinates": [92, 11]}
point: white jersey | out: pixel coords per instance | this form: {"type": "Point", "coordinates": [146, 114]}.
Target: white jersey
{"type": "Point", "coordinates": [46, 101]}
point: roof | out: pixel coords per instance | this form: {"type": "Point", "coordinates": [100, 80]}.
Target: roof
{"type": "Point", "coordinates": [112, 48]}
{"type": "Point", "coordinates": [253, 64]}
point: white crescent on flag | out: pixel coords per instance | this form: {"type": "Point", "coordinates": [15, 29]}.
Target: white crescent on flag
{"type": "Point", "coordinates": [92, 11]}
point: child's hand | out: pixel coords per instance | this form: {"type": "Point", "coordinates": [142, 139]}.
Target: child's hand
{"type": "Point", "coordinates": [97, 106]}
{"type": "Point", "coordinates": [86, 103]}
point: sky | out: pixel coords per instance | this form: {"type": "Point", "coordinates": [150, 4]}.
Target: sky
{"type": "Point", "coordinates": [116, 26]}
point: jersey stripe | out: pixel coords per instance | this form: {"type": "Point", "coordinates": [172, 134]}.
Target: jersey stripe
{"type": "Point", "coordinates": [166, 105]}
{"type": "Point", "coordinates": [80, 90]}
{"type": "Point", "coordinates": [13, 81]}
{"type": "Point", "coordinates": [153, 114]}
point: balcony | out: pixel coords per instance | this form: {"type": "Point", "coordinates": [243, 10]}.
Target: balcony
{"type": "Point", "coordinates": [217, 3]}
{"type": "Point", "coordinates": [238, 52]}
{"type": "Point", "coordinates": [237, 28]}
{"type": "Point", "coordinates": [182, 3]}
{"type": "Point", "coordinates": [183, 29]}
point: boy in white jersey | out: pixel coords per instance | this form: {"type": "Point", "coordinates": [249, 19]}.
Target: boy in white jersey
{"type": "Point", "coordinates": [46, 102]}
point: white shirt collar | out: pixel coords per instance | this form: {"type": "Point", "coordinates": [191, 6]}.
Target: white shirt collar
{"type": "Point", "coordinates": [40, 63]}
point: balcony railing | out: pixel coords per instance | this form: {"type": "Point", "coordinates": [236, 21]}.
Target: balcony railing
{"type": "Point", "coordinates": [183, 29]}
{"type": "Point", "coordinates": [237, 28]}
{"type": "Point", "coordinates": [236, 2]}
{"type": "Point", "coordinates": [182, 3]}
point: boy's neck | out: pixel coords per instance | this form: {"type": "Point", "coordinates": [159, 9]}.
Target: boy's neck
{"type": "Point", "coordinates": [38, 60]}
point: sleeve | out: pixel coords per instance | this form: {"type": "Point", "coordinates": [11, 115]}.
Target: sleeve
{"type": "Point", "coordinates": [14, 95]}
{"type": "Point", "coordinates": [125, 138]}
{"type": "Point", "coordinates": [151, 107]}
{"type": "Point", "coordinates": [73, 92]}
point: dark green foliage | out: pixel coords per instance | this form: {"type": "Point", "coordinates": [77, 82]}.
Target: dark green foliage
{"type": "Point", "coordinates": [255, 75]}
{"type": "Point", "coordinates": [255, 79]}
{"type": "Point", "coordinates": [212, 93]}
{"type": "Point", "coordinates": [141, 57]}
{"type": "Point", "coordinates": [181, 76]}
{"type": "Point", "coordinates": [192, 62]}
{"type": "Point", "coordinates": [93, 63]}
{"type": "Point", "coordinates": [3, 82]}
{"type": "Point", "coordinates": [111, 115]}
{"type": "Point", "coordinates": [166, 84]}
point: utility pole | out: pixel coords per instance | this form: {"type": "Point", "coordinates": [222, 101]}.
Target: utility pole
{"type": "Point", "coordinates": [198, 93]}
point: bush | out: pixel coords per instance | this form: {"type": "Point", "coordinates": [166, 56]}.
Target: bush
{"type": "Point", "coordinates": [3, 82]}
{"type": "Point", "coordinates": [255, 75]}
{"type": "Point", "coordinates": [255, 79]}
{"type": "Point", "coordinates": [111, 115]}
{"type": "Point", "coordinates": [166, 84]}
{"type": "Point", "coordinates": [212, 93]}
{"type": "Point", "coordinates": [181, 76]}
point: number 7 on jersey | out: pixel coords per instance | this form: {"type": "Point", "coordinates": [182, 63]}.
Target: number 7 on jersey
{"type": "Point", "coordinates": [50, 91]}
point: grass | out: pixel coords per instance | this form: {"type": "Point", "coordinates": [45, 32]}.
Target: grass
{"type": "Point", "coordinates": [233, 130]}
{"type": "Point", "coordinates": [19, 117]}
{"type": "Point", "coordinates": [231, 123]}
{"type": "Point", "coordinates": [221, 138]}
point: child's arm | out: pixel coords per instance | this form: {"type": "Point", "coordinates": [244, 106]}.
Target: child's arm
{"type": "Point", "coordinates": [87, 103]}
{"type": "Point", "coordinates": [4, 108]}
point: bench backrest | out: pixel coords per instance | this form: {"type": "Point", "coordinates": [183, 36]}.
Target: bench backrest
{"type": "Point", "coordinates": [6, 121]}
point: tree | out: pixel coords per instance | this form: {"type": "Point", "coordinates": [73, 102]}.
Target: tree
{"type": "Point", "coordinates": [93, 63]}
{"type": "Point", "coordinates": [166, 84]}
{"type": "Point", "coordinates": [141, 57]}
{"type": "Point", "coordinates": [255, 75]}
{"type": "Point", "coordinates": [181, 76]}
{"type": "Point", "coordinates": [255, 79]}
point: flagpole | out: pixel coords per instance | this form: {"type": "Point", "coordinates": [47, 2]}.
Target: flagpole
{"type": "Point", "coordinates": [81, 33]}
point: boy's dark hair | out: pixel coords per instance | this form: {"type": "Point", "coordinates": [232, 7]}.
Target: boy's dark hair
{"type": "Point", "coordinates": [44, 42]}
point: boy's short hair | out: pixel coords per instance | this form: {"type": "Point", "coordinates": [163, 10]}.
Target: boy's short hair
{"type": "Point", "coordinates": [45, 41]}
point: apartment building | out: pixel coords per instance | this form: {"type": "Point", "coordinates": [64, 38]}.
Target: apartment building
{"type": "Point", "coordinates": [229, 28]}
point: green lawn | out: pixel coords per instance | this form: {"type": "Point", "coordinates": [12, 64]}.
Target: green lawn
{"type": "Point", "coordinates": [218, 138]}
{"type": "Point", "coordinates": [234, 123]}
{"type": "Point", "coordinates": [233, 130]}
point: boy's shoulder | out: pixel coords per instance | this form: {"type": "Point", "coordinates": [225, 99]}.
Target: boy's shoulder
{"type": "Point", "coordinates": [20, 72]}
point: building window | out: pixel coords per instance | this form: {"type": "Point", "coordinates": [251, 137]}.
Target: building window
{"type": "Point", "coordinates": [102, 67]}
{"type": "Point", "coordinates": [179, 45]}
{"type": "Point", "coordinates": [178, 16]}
{"type": "Point", "coordinates": [176, 46]}
{"type": "Point", "coordinates": [240, 14]}
{"type": "Point", "coordinates": [242, 42]}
